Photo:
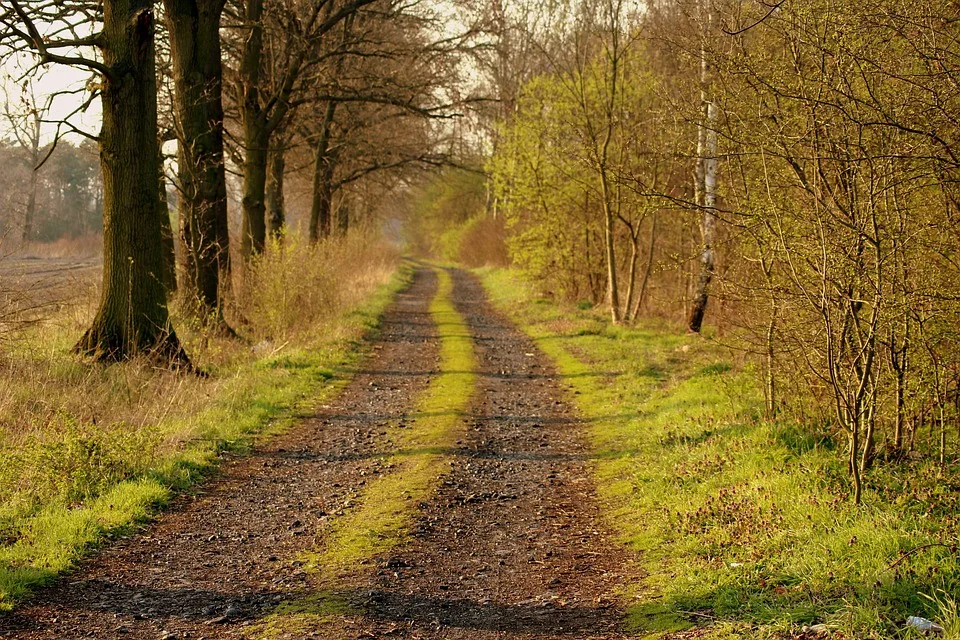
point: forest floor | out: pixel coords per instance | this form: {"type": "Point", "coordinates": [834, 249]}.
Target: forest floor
{"type": "Point", "coordinates": [445, 493]}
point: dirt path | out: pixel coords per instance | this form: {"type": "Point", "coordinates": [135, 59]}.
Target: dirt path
{"type": "Point", "coordinates": [509, 546]}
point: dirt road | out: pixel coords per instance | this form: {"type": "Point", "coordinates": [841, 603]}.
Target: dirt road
{"type": "Point", "coordinates": [507, 544]}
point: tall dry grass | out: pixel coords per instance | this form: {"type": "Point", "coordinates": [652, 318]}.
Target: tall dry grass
{"type": "Point", "coordinates": [289, 292]}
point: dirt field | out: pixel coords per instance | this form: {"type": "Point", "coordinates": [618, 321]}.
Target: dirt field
{"type": "Point", "coordinates": [32, 287]}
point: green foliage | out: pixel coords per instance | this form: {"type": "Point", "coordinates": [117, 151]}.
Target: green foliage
{"type": "Point", "coordinates": [441, 209]}
{"type": "Point", "coordinates": [567, 140]}
{"type": "Point", "coordinates": [734, 517]}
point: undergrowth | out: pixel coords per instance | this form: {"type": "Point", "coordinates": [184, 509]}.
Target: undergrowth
{"type": "Point", "coordinates": [87, 450]}
{"type": "Point", "coordinates": [741, 524]}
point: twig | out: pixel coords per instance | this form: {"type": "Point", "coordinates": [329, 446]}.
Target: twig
{"type": "Point", "coordinates": [909, 553]}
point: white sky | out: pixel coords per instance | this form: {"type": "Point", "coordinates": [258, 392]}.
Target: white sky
{"type": "Point", "coordinates": [53, 78]}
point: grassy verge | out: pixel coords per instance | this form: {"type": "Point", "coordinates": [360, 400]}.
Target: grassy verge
{"type": "Point", "coordinates": [417, 459]}
{"type": "Point", "coordinates": [741, 525]}
{"type": "Point", "coordinates": [87, 451]}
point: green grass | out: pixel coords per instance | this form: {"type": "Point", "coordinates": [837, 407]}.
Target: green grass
{"type": "Point", "coordinates": [738, 523]}
{"type": "Point", "coordinates": [299, 618]}
{"type": "Point", "coordinates": [418, 458]}
{"type": "Point", "coordinates": [72, 485]}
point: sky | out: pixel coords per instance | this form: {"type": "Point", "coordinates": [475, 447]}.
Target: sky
{"type": "Point", "coordinates": [53, 79]}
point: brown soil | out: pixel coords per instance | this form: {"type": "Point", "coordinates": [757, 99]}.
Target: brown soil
{"type": "Point", "coordinates": [510, 546]}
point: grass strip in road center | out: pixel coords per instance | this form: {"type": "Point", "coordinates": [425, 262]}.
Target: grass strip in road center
{"type": "Point", "coordinates": [385, 510]}
{"type": "Point", "coordinates": [420, 454]}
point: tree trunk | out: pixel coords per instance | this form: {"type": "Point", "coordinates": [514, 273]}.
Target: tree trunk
{"type": "Point", "coordinates": [31, 212]}
{"type": "Point", "coordinates": [343, 217]}
{"type": "Point", "coordinates": [276, 217]}
{"type": "Point", "coordinates": [256, 136]}
{"type": "Point", "coordinates": [771, 380]}
{"type": "Point", "coordinates": [254, 225]}
{"type": "Point", "coordinates": [166, 233]}
{"type": "Point", "coordinates": [613, 294]}
{"type": "Point", "coordinates": [132, 316]}
{"type": "Point", "coordinates": [323, 166]}
{"type": "Point", "coordinates": [707, 172]}
{"type": "Point", "coordinates": [854, 466]}
{"type": "Point", "coordinates": [632, 271]}
{"type": "Point", "coordinates": [648, 268]}
{"type": "Point", "coordinates": [198, 79]}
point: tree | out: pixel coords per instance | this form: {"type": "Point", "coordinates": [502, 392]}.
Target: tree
{"type": "Point", "coordinates": [194, 27]}
{"type": "Point", "coordinates": [266, 85]}
{"type": "Point", "coordinates": [706, 172]}
{"type": "Point", "coordinates": [132, 316]}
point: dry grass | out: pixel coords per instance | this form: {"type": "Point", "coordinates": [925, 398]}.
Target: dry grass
{"type": "Point", "coordinates": [72, 431]}
{"type": "Point", "coordinates": [85, 246]}
{"type": "Point", "coordinates": [287, 293]}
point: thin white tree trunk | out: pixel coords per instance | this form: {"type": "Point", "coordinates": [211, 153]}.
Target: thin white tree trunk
{"type": "Point", "coordinates": [706, 190]}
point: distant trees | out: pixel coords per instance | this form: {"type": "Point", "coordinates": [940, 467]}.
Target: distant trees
{"type": "Point", "coordinates": [67, 201]}
{"type": "Point", "coordinates": [24, 118]}
{"type": "Point", "coordinates": [588, 162]}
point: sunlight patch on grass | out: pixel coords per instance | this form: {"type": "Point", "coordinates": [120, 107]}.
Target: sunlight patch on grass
{"type": "Point", "coordinates": [299, 618]}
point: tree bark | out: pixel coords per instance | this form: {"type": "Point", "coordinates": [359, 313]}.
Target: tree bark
{"type": "Point", "coordinates": [632, 271]}
{"type": "Point", "coordinates": [166, 233]}
{"type": "Point", "coordinates": [31, 212]}
{"type": "Point", "coordinates": [276, 215]}
{"type": "Point", "coordinates": [194, 27]}
{"type": "Point", "coordinates": [343, 217]}
{"type": "Point", "coordinates": [613, 294]}
{"type": "Point", "coordinates": [132, 316]}
{"type": "Point", "coordinates": [256, 137]}
{"type": "Point", "coordinates": [648, 268]}
{"type": "Point", "coordinates": [707, 172]}
{"type": "Point", "coordinates": [254, 226]}
{"type": "Point", "coordinates": [323, 167]}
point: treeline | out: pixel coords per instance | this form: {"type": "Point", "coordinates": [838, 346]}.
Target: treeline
{"type": "Point", "coordinates": [63, 198]}
{"type": "Point", "coordinates": [342, 96]}
{"type": "Point", "coordinates": [795, 163]}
